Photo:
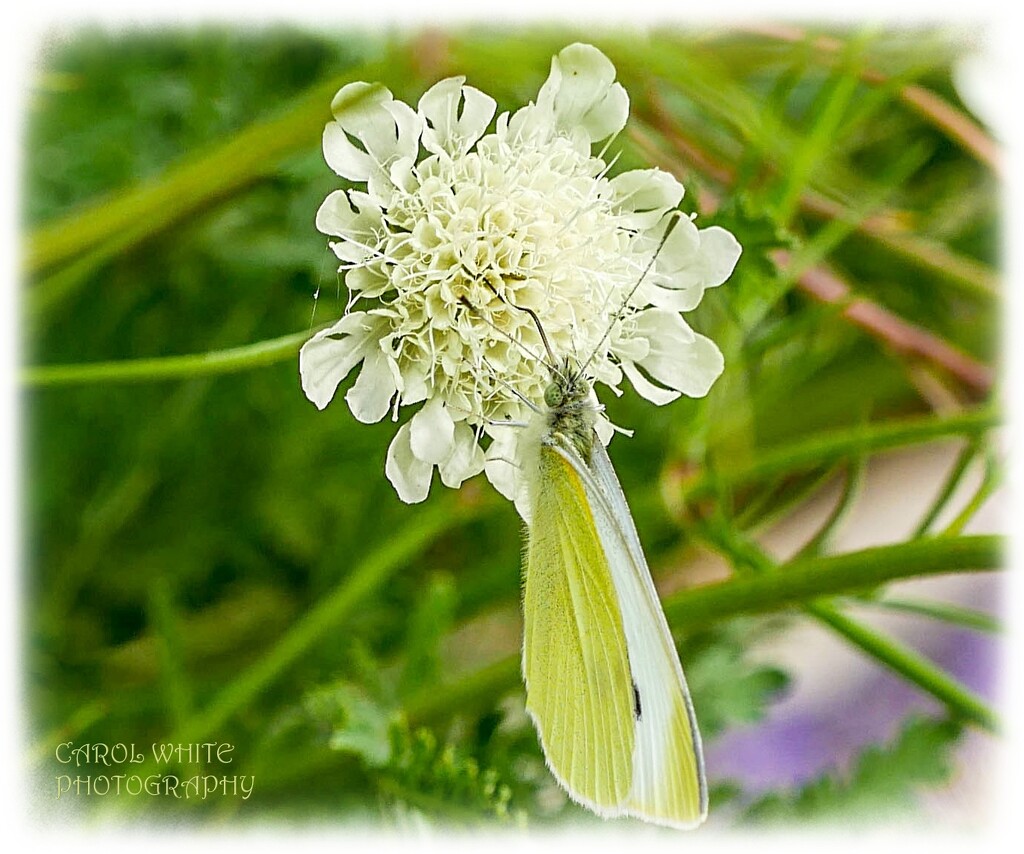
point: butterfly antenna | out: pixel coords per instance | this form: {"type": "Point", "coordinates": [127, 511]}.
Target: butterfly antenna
{"type": "Point", "coordinates": [552, 363]}
{"type": "Point", "coordinates": [512, 390]}
{"type": "Point", "coordinates": [553, 366]}
{"type": "Point", "coordinates": [510, 338]}
{"type": "Point", "coordinates": [625, 303]}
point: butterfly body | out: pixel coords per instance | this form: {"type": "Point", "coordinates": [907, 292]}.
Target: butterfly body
{"type": "Point", "coordinates": [604, 684]}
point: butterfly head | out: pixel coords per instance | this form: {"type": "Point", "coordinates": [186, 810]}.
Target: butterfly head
{"type": "Point", "coordinates": [568, 389]}
{"type": "Point", "coordinates": [571, 409]}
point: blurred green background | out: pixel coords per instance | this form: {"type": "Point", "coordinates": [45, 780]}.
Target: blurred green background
{"type": "Point", "coordinates": [209, 559]}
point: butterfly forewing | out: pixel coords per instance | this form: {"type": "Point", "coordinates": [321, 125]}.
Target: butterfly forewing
{"type": "Point", "coordinates": [666, 778]}
{"type": "Point", "coordinates": [669, 783]}
{"type": "Point", "coordinates": [575, 657]}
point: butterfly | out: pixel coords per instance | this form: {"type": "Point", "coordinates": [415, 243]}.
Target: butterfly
{"type": "Point", "coordinates": [604, 685]}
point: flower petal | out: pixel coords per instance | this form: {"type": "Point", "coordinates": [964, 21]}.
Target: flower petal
{"type": "Point", "coordinates": [643, 195]}
{"type": "Point", "coordinates": [408, 475]}
{"type": "Point", "coordinates": [645, 388]}
{"type": "Point", "coordinates": [367, 281]}
{"type": "Point", "coordinates": [371, 395]}
{"type": "Point", "coordinates": [604, 429]}
{"type": "Point", "coordinates": [369, 113]}
{"type": "Point", "coordinates": [326, 359]}
{"type": "Point", "coordinates": [522, 503]}
{"type": "Point", "coordinates": [432, 431]}
{"type": "Point", "coordinates": [343, 157]}
{"type": "Point", "coordinates": [582, 93]}
{"type": "Point", "coordinates": [395, 144]}
{"type": "Point", "coordinates": [465, 460]}
{"type": "Point", "coordinates": [529, 123]}
{"type": "Point", "coordinates": [444, 129]}
{"type": "Point", "coordinates": [679, 357]}
{"type": "Point", "coordinates": [386, 130]}
{"type": "Point", "coordinates": [500, 460]}
{"type": "Point", "coordinates": [414, 383]}
{"type": "Point", "coordinates": [503, 465]}
{"type": "Point", "coordinates": [355, 218]}
{"type": "Point", "coordinates": [678, 253]}
{"type": "Point", "coordinates": [691, 261]}
{"type": "Point", "coordinates": [720, 251]}
{"type": "Point", "coordinates": [356, 103]}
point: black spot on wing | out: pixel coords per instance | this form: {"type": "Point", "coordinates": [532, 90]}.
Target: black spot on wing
{"type": "Point", "coordinates": [636, 701]}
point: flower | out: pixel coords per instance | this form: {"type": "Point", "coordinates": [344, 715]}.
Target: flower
{"type": "Point", "coordinates": [454, 232]}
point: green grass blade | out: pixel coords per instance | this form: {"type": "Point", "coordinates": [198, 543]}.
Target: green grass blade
{"type": "Point", "coordinates": [989, 483]}
{"type": "Point", "coordinates": [817, 140]}
{"type": "Point", "coordinates": [191, 186]}
{"type": "Point", "coordinates": [955, 615]}
{"type": "Point", "coordinates": [942, 499]}
{"type": "Point", "coordinates": [851, 490]}
{"type": "Point", "coordinates": [174, 679]}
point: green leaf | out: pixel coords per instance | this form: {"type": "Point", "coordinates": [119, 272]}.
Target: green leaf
{"type": "Point", "coordinates": [728, 688]}
{"type": "Point", "coordinates": [883, 783]}
{"type": "Point", "coordinates": [442, 781]}
{"type": "Point", "coordinates": [358, 724]}
{"type": "Point", "coordinates": [756, 285]}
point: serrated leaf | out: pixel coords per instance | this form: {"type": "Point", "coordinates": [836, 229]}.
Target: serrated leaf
{"type": "Point", "coordinates": [883, 783]}
{"type": "Point", "coordinates": [441, 780]}
{"type": "Point", "coordinates": [727, 687]}
{"type": "Point", "coordinates": [358, 724]}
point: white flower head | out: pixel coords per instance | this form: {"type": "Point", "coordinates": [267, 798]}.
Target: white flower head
{"type": "Point", "coordinates": [458, 231]}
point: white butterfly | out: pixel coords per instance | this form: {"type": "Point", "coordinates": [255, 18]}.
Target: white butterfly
{"type": "Point", "coordinates": [604, 685]}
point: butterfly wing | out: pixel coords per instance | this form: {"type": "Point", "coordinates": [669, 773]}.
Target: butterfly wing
{"type": "Point", "coordinates": [575, 656]}
{"type": "Point", "coordinates": [668, 783]}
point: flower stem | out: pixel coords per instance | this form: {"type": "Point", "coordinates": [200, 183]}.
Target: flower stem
{"type": "Point", "coordinates": [748, 555]}
{"type": "Point", "coordinates": [807, 578]}
{"type": "Point", "coordinates": [823, 284]}
{"type": "Point", "coordinates": [908, 664]}
{"type": "Point", "coordinates": [828, 447]}
{"type": "Point", "coordinates": [754, 594]}
{"type": "Point", "coordinates": [227, 361]}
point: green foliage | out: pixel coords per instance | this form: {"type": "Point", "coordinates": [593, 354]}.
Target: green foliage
{"type": "Point", "coordinates": [430, 621]}
{"type": "Point", "coordinates": [209, 558]}
{"type": "Point", "coordinates": [439, 779]}
{"type": "Point", "coordinates": [728, 688]}
{"type": "Point", "coordinates": [357, 725]}
{"type": "Point", "coordinates": [881, 786]}
{"type": "Point", "coordinates": [762, 234]}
